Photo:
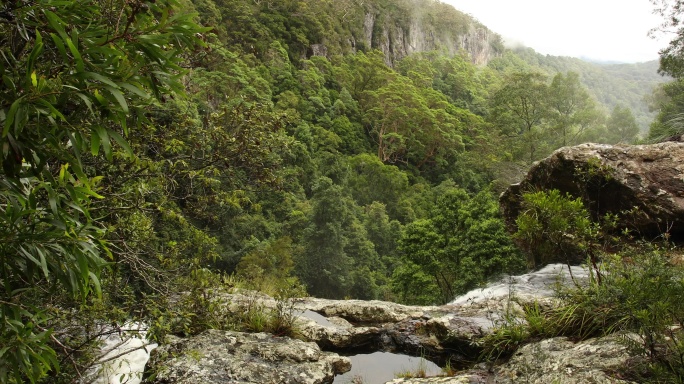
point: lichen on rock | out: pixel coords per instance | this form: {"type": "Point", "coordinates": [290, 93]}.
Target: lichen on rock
{"type": "Point", "coordinates": [226, 357]}
{"type": "Point", "coordinates": [642, 184]}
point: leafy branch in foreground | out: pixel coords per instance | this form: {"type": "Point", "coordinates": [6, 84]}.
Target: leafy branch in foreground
{"type": "Point", "coordinates": [76, 75]}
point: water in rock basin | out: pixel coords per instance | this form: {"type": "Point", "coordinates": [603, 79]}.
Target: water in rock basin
{"type": "Point", "coordinates": [124, 353]}
{"type": "Point", "coordinates": [538, 283]}
{"type": "Point", "coordinates": [381, 367]}
{"type": "Point", "coordinates": [318, 318]}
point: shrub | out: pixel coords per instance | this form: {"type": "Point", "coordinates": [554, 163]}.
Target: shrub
{"type": "Point", "coordinates": [641, 295]}
{"type": "Point", "coordinates": [554, 226]}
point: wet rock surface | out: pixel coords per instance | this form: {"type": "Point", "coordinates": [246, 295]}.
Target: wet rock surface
{"type": "Point", "coordinates": [646, 180]}
{"type": "Point", "coordinates": [559, 360]}
{"type": "Point", "coordinates": [443, 334]}
{"type": "Point", "coordinates": [556, 360]}
{"type": "Point", "coordinates": [225, 357]}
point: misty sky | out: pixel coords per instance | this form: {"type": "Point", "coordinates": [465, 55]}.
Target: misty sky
{"type": "Point", "coordinates": [608, 30]}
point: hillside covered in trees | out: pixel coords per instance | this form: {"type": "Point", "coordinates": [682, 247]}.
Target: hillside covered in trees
{"type": "Point", "coordinates": [628, 85]}
{"type": "Point", "coordinates": [351, 149]}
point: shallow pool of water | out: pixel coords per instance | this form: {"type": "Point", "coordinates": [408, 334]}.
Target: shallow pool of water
{"type": "Point", "coordinates": [381, 367]}
{"type": "Point", "coordinates": [317, 317]}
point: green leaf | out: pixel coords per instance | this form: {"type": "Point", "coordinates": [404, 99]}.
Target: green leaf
{"type": "Point", "coordinates": [87, 102]}
{"type": "Point", "coordinates": [119, 97]}
{"type": "Point", "coordinates": [77, 55]}
{"type": "Point", "coordinates": [135, 90]}
{"type": "Point", "coordinates": [104, 139]}
{"type": "Point", "coordinates": [60, 46]}
{"type": "Point", "coordinates": [121, 141]}
{"type": "Point", "coordinates": [92, 193]}
{"type": "Point", "coordinates": [53, 111]}
{"type": "Point", "coordinates": [56, 23]}
{"type": "Point", "coordinates": [98, 77]}
{"type": "Point", "coordinates": [83, 267]}
{"type": "Point", "coordinates": [37, 49]}
{"type": "Point", "coordinates": [78, 146]}
{"type": "Point", "coordinates": [20, 119]}
{"type": "Point", "coordinates": [96, 283]}
{"type": "Point", "coordinates": [11, 115]}
{"type": "Point", "coordinates": [43, 262]}
{"type": "Point", "coordinates": [94, 144]}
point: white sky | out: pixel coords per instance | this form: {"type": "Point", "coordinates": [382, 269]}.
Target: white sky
{"type": "Point", "coordinates": [607, 30]}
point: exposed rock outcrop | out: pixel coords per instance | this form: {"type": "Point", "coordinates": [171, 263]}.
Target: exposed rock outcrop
{"type": "Point", "coordinates": [398, 41]}
{"type": "Point", "coordinates": [555, 360]}
{"type": "Point", "coordinates": [642, 184]}
{"type": "Point", "coordinates": [559, 360]}
{"type": "Point", "coordinates": [225, 357]}
{"type": "Point", "coordinates": [440, 333]}
{"type": "Point", "coordinates": [408, 27]}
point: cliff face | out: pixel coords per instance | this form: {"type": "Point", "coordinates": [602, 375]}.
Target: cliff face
{"type": "Point", "coordinates": [397, 41]}
{"type": "Point", "coordinates": [440, 27]}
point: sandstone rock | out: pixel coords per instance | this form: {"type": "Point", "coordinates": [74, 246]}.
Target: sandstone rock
{"type": "Point", "coordinates": [555, 360]}
{"type": "Point", "coordinates": [559, 360]}
{"type": "Point", "coordinates": [225, 357]}
{"type": "Point", "coordinates": [439, 333]}
{"type": "Point", "coordinates": [338, 336]}
{"type": "Point", "coordinates": [442, 333]}
{"type": "Point", "coordinates": [363, 311]}
{"type": "Point", "coordinates": [645, 179]}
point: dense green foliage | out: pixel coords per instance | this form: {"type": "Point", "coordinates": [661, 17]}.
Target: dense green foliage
{"type": "Point", "coordinates": [554, 226]}
{"type": "Point", "coordinates": [145, 155]}
{"type": "Point", "coordinates": [611, 85]}
{"type": "Point", "coordinates": [460, 245]}
{"type": "Point", "coordinates": [71, 87]}
{"type": "Point", "coordinates": [667, 99]}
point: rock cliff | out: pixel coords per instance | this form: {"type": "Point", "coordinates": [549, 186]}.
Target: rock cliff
{"type": "Point", "coordinates": [397, 41]}
{"type": "Point", "coordinates": [400, 28]}
{"type": "Point", "coordinates": [642, 184]}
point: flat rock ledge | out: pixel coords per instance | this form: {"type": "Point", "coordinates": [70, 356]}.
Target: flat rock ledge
{"type": "Point", "coordinates": [559, 360]}
{"type": "Point", "coordinates": [226, 357]}
{"type": "Point", "coordinates": [443, 333]}
{"type": "Point", "coordinates": [556, 360]}
{"type": "Point", "coordinates": [448, 334]}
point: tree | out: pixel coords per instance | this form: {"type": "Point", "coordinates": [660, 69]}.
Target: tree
{"type": "Point", "coordinates": [519, 109]}
{"type": "Point", "coordinates": [572, 111]}
{"type": "Point", "coordinates": [363, 72]}
{"type": "Point", "coordinates": [325, 268]}
{"type": "Point", "coordinates": [670, 105]}
{"type": "Point", "coordinates": [77, 76]}
{"type": "Point", "coordinates": [460, 245]}
{"type": "Point", "coordinates": [622, 126]}
{"type": "Point", "coordinates": [554, 227]}
{"type": "Point", "coordinates": [372, 181]}
{"type": "Point", "coordinates": [672, 57]}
